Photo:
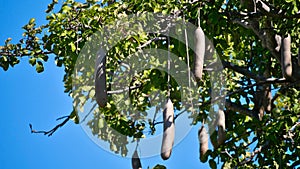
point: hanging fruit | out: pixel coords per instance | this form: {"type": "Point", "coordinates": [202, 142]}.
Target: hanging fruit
{"type": "Point", "coordinates": [278, 42]}
{"type": "Point", "coordinates": [199, 53]}
{"type": "Point", "coordinates": [135, 161]}
{"type": "Point", "coordinates": [203, 141]}
{"type": "Point", "coordinates": [286, 60]}
{"type": "Point", "coordinates": [169, 130]}
{"type": "Point", "coordinates": [221, 127]}
{"type": "Point", "coordinates": [100, 80]}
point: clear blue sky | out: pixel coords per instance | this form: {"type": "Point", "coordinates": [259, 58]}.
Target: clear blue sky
{"type": "Point", "coordinates": [28, 97]}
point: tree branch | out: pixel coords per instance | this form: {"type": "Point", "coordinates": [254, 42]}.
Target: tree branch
{"type": "Point", "coordinates": [175, 117]}
{"type": "Point", "coordinates": [124, 90]}
{"type": "Point", "coordinates": [267, 81]}
{"type": "Point", "coordinates": [4, 53]}
{"type": "Point", "coordinates": [254, 153]}
{"type": "Point", "coordinates": [243, 71]}
{"type": "Point", "coordinates": [267, 37]}
{"type": "Point", "coordinates": [262, 35]}
{"type": "Point", "coordinates": [238, 108]}
{"type": "Point", "coordinates": [150, 41]}
{"type": "Point", "coordinates": [262, 6]}
{"type": "Point", "coordinates": [290, 134]}
{"type": "Point", "coordinates": [50, 132]}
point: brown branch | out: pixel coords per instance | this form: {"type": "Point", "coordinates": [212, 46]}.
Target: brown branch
{"type": "Point", "coordinates": [269, 43]}
{"type": "Point", "coordinates": [50, 132]}
{"type": "Point", "coordinates": [151, 40]}
{"type": "Point", "coordinates": [267, 81]}
{"type": "Point", "coordinates": [227, 153]}
{"type": "Point", "coordinates": [238, 108]}
{"type": "Point", "coordinates": [254, 153]}
{"type": "Point", "coordinates": [243, 70]}
{"type": "Point", "coordinates": [269, 10]}
{"type": "Point", "coordinates": [267, 37]}
{"type": "Point", "coordinates": [294, 127]}
{"type": "Point", "coordinates": [237, 138]}
{"type": "Point", "coordinates": [262, 6]}
{"type": "Point", "coordinates": [22, 54]}
{"type": "Point", "coordinates": [233, 106]}
{"type": "Point", "coordinates": [263, 9]}
{"type": "Point", "coordinates": [290, 134]}
{"type": "Point", "coordinates": [175, 117]}
{"type": "Point", "coordinates": [124, 90]}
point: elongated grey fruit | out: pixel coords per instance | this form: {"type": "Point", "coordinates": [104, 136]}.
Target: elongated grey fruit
{"type": "Point", "coordinates": [169, 130]}
{"type": "Point", "coordinates": [278, 41]}
{"type": "Point", "coordinates": [199, 52]}
{"type": "Point", "coordinates": [100, 79]}
{"type": "Point", "coordinates": [286, 60]}
{"type": "Point", "coordinates": [203, 140]}
{"type": "Point", "coordinates": [221, 127]}
{"type": "Point", "coordinates": [135, 161]}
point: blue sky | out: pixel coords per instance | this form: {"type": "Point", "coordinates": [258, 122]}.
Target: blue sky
{"type": "Point", "coordinates": [28, 97]}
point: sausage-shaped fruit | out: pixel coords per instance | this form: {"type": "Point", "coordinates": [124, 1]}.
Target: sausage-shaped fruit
{"type": "Point", "coordinates": [100, 79]}
{"type": "Point", "coordinates": [199, 52]}
{"type": "Point", "coordinates": [278, 41]}
{"type": "Point", "coordinates": [203, 140]}
{"type": "Point", "coordinates": [221, 127]}
{"type": "Point", "coordinates": [169, 130]}
{"type": "Point", "coordinates": [135, 161]}
{"type": "Point", "coordinates": [286, 60]}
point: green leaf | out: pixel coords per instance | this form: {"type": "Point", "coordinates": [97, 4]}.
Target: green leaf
{"type": "Point", "coordinates": [295, 9]}
{"type": "Point", "coordinates": [59, 63]}
{"type": "Point", "coordinates": [74, 116]}
{"type": "Point", "coordinates": [294, 119]}
{"type": "Point", "coordinates": [73, 47]}
{"type": "Point", "coordinates": [158, 166]}
{"type": "Point", "coordinates": [44, 57]}
{"type": "Point", "coordinates": [289, 1]}
{"type": "Point", "coordinates": [39, 67]}
{"type": "Point", "coordinates": [32, 61]}
{"type": "Point", "coordinates": [66, 9]}
{"type": "Point", "coordinates": [212, 164]}
{"type": "Point", "coordinates": [101, 123]}
{"type": "Point", "coordinates": [31, 21]}
{"type": "Point", "coordinates": [227, 165]}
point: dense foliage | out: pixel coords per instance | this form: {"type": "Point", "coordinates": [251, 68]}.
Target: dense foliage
{"type": "Point", "coordinates": [262, 103]}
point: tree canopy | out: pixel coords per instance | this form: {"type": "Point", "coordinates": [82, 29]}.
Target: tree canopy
{"type": "Point", "coordinates": [251, 71]}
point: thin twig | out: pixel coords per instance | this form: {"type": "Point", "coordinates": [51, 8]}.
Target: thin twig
{"type": "Point", "coordinates": [61, 118]}
{"type": "Point", "coordinates": [226, 152]}
{"type": "Point", "coordinates": [290, 133]}
{"type": "Point", "coordinates": [169, 67]}
{"type": "Point", "coordinates": [50, 132]}
{"type": "Point", "coordinates": [124, 90]}
{"type": "Point", "coordinates": [254, 153]}
{"type": "Point", "coordinates": [91, 110]}
{"type": "Point", "coordinates": [267, 81]}
{"type": "Point", "coordinates": [177, 115]}
{"type": "Point", "coordinates": [7, 53]}
{"type": "Point", "coordinates": [243, 71]}
{"type": "Point", "coordinates": [151, 40]}
{"type": "Point", "coordinates": [237, 108]}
